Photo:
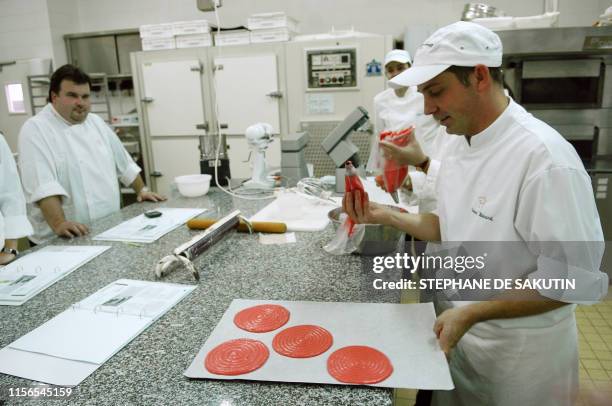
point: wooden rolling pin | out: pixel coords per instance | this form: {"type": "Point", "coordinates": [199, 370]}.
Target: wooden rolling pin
{"type": "Point", "coordinates": [258, 226]}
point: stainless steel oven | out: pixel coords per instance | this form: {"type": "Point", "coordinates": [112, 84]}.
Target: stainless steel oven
{"type": "Point", "coordinates": [564, 77]}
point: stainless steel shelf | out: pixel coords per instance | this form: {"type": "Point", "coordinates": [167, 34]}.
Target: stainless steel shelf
{"type": "Point", "coordinates": [124, 125]}
{"type": "Point", "coordinates": [120, 76]}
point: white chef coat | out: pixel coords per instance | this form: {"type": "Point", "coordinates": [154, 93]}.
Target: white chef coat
{"type": "Point", "coordinates": [437, 147]}
{"type": "Point", "coordinates": [520, 181]}
{"type": "Point", "coordinates": [79, 162]}
{"type": "Point", "coordinates": [14, 222]}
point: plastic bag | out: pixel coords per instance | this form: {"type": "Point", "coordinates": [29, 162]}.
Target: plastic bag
{"type": "Point", "coordinates": [349, 235]}
{"type": "Point", "coordinates": [393, 174]}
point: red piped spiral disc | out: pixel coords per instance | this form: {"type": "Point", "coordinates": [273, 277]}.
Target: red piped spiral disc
{"type": "Point", "coordinates": [236, 357]}
{"type": "Point", "coordinates": [262, 318]}
{"type": "Point", "coordinates": [359, 364]}
{"type": "Point", "coordinates": [302, 341]}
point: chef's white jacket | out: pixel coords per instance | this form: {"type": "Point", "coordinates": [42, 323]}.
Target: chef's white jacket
{"type": "Point", "coordinates": [80, 163]}
{"type": "Point", "coordinates": [520, 181]}
{"type": "Point", "coordinates": [14, 222]}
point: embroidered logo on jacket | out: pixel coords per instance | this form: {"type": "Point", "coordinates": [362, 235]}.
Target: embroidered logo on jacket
{"type": "Point", "coordinates": [482, 201]}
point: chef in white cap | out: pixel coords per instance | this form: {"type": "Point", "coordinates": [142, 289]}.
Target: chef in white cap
{"type": "Point", "coordinates": [517, 182]}
{"type": "Point", "coordinates": [394, 109]}
{"type": "Point", "coordinates": [401, 107]}
{"type": "Point", "coordinates": [14, 222]}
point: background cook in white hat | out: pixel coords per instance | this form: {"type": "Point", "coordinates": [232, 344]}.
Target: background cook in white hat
{"type": "Point", "coordinates": [514, 178]}
{"type": "Point", "coordinates": [399, 108]}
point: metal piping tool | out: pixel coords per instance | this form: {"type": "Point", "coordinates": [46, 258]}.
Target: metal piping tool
{"type": "Point", "coordinates": [395, 196]}
{"type": "Point", "coordinates": [185, 253]}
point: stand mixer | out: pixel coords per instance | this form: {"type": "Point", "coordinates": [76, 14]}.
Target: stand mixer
{"type": "Point", "coordinates": [259, 136]}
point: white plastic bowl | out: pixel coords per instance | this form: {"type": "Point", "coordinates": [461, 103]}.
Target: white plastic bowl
{"type": "Point", "coordinates": [193, 185]}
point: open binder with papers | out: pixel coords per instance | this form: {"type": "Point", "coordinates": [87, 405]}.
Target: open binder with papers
{"type": "Point", "coordinates": [145, 230]}
{"type": "Point", "coordinates": [72, 345]}
{"type": "Point", "coordinates": [23, 279]}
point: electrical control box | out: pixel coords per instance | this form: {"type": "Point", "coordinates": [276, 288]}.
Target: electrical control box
{"type": "Point", "coordinates": [331, 68]}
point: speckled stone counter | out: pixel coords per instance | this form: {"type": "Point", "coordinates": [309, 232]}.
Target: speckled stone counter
{"type": "Point", "coordinates": [149, 370]}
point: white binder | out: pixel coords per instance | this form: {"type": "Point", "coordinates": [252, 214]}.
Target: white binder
{"type": "Point", "coordinates": [24, 278]}
{"type": "Point", "coordinates": [72, 345]}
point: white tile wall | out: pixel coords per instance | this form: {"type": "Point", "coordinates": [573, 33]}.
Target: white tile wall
{"type": "Point", "coordinates": [63, 19]}
{"type": "Point", "coordinates": [24, 29]}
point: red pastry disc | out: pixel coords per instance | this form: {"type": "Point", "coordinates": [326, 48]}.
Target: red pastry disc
{"type": "Point", "coordinates": [302, 341]}
{"type": "Point", "coordinates": [236, 357]}
{"type": "Point", "coordinates": [262, 318]}
{"type": "Point", "coordinates": [359, 364]}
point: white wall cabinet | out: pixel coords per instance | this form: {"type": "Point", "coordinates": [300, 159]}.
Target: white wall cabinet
{"type": "Point", "coordinates": [173, 97]}
{"type": "Point", "coordinates": [172, 107]}
{"type": "Point", "coordinates": [247, 92]}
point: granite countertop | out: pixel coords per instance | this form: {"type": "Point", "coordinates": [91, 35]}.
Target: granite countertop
{"type": "Point", "coordinates": [149, 370]}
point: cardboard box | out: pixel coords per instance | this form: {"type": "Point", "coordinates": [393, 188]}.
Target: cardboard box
{"type": "Point", "coordinates": [157, 31]}
{"type": "Point", "coordinates": [153, 44]}
{"type": "Point", "coordinates": [194, 41]}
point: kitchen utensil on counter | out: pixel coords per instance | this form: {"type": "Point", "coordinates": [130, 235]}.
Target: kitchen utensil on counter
{"type": "Point", "coordinates": [257, 226]}
{"type": "Point", "coordinates": [378, 239]}
{"type": "Point", "coordinates": [193, 185]}
{"type": "Point", "coordinates": [297, 210]}
{"type": "Point", "coordinates": [314, 187]}
{"type": "Point", "coordinates": [393, 173]}
{"type": "Point", "coordinates": [184, 254]}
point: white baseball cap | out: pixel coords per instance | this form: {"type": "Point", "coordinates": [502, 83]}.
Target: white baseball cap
{"type": "Point", "coordinates": [398, 55]}
{"type": "Point", "coordinates": [461, 44]}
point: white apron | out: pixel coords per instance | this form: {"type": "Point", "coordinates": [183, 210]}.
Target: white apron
{"type": "Point", "coordinates": [519, 366]}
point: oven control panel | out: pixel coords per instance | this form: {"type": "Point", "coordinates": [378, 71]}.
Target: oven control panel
{"type": "Point", "coordinates": [331, 68]}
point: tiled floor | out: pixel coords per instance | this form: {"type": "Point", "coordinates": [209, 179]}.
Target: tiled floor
{"type": "Point", "coordinates": [595, 344]}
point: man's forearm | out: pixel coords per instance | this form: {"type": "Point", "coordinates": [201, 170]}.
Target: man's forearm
{"type": "Point", "coordinates": [512, 304]}
{"type": "Point", "coordinates": [51, 208]}
{"type": "Point", "coordinates": [138, 184]}
{"type": "Point", "coordinates": [12, 244]}
{"type": "Point", "coordinates": [425, 226]}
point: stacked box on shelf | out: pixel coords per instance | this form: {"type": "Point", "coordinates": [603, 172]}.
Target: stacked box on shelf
{"type": "Point", "coordinates": [271, 35]}
{"type": "Point", "coordinates": [154, 44]}
{"type": "Point", "coordinates": [157, 36]}
{"type": "Point", "coordinates": [233, 37]}
{"type": "Point", "coordinates": [191, 27]}
{"type": "Point", "coordinates": [157, 31]}
{"type": "Point", "coordinates": [178, 34]}
{"type": "Point", "coordinates": [194, 40]}
{"type": "Point", "coordinates": [265, 21]}
{"type": "Point", "coordinates": [192, 34]}
{"type": "Point", "coordinates": [271, 27]}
